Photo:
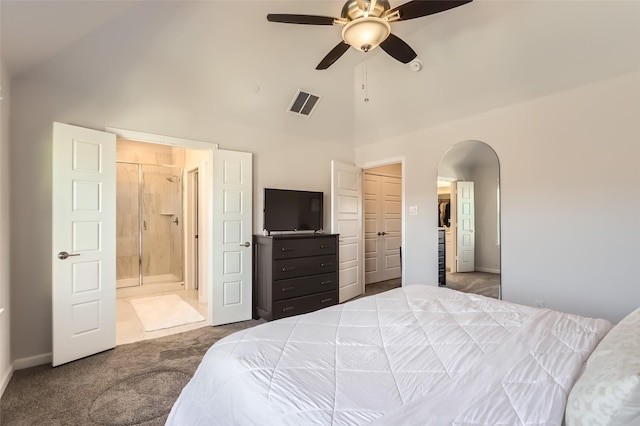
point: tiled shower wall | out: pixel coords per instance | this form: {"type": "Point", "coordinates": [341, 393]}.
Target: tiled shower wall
{"type": "Point", "coordinates": [162, 251]}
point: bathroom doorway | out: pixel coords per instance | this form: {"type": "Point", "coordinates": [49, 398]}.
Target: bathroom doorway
{"type": "Point", "coordinates": [154, 223]}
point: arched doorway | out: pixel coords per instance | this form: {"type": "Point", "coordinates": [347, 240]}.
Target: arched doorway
{"type": "Point", "coordinates": [469, 218]}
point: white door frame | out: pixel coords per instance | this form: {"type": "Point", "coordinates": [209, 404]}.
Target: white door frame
{"type": "Point", "coordinates": [386, 162]}
{"type": "Point", "coordinates": [206, 222]}
{"type": "Point", "coordinates": [191, 215]}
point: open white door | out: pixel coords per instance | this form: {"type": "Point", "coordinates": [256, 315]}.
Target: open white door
{"type": "Point", "coordinates": [346, 220]}
{"type": "Point", "coordinates": [231, 293]}
{"type": "Point", "coordinates": [391, 239]}
{"type": "Point", "coordinates": [84, 242]}
{"type": "Point", "coordinates": [466, 227]}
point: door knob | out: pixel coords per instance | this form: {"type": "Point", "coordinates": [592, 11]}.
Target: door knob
{"type": "Point", "coordinates": [63, 255]}
{"type": "Point", "coordinates": [246, 244]}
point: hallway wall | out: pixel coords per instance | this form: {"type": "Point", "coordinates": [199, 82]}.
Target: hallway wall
{"type": "Point", "coordinates": [6, 365]}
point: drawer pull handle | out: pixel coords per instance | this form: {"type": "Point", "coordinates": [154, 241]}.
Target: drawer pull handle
{"type": "Point", "coordinates": [288, 268]}
{"type": "Point", "coordinates": [288, 289]}
{"type": "Point", "coordinates": [322, 265]}
{"type": "Point", "coordinates": [288, 308]}
{"type": "Point", "coordinates": [326, 282]}
{"type": "Point", "coordinates": [284, 249]}
{"type": "Point", "coordinates": [322, 246]}
{"type": "Point", "coordinates": [323, 301]}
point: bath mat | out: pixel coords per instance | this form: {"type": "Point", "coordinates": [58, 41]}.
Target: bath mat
{"type": "Point", "coordinates": [168, 311]}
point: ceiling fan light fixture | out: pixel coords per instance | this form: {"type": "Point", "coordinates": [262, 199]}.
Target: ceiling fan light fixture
{"type": "Point", "coordinates": [366, 33]}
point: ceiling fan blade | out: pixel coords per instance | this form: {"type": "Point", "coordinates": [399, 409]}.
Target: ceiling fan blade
{"type": "Point", "coordinates": [300, 19]}
{"type": "Point", "coordinates": [333, 56]}
{"type": "Point", "coordinates": [419, 8]}
{"type": "Point", "coordinates": [398, 49]}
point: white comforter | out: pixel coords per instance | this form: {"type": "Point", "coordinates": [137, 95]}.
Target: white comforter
{"type": "Point", "coordinates": [413, 355]}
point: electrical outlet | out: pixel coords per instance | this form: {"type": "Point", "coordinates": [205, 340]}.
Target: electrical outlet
{"type": "Point", "coordinates": [538, 303]}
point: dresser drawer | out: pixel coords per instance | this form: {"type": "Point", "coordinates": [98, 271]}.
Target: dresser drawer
{"type": "Point", "coordinates": [295, 287]}
{"type": "Point", "coordinates": [300, 247]}
{"type": "Point", "coordinates": [292, 268]}
{"type": "Point", "coordinates": [302, 305]}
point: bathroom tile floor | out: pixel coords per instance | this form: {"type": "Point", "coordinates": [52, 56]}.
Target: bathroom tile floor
{"type": "Point", "coordinates": [129, 329]}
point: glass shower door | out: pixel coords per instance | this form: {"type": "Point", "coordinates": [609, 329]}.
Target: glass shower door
{"type": "Point", "coordinates": [127, 225]}
{"type": "Point", "coordinates": [162, 241]}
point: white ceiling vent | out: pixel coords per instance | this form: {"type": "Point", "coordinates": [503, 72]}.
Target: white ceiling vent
{"type": "Point", "coordinates": [303, 103]}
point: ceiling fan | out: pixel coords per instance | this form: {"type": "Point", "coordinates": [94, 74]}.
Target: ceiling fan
{"type": "Point", "coordinates": [366, 25]}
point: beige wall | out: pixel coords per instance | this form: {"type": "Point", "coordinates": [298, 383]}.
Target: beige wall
{"type": "Point", "coordinates": [563, 239]}
{"type": "Point", "coordinates": [5, 332]}
{"type": "Point", "coordinates": [390, 169]}
{"type": "Point", "coordinates": [148, 153]}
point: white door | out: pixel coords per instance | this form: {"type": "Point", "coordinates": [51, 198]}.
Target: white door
{"type": "Point", "coordinates": [391, 229]}
{"type": "Point", "coordinates": [466, 240]}
{"type": "Point", "coordinates": [346, 220]}
{"type": "Point", "coordinates": [84, 242]}
{"type": "Point", "coordinates": [372, 234]}
{"type": "Point", "coordinates": [231, 295]}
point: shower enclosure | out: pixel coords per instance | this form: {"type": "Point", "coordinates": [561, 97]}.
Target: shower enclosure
{"type": "Point", "coordinates": [149, 225]}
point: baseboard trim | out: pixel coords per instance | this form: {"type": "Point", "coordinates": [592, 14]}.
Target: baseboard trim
{"type": "Point", "coordinates": [32, 361]}
{"type": "Point", "coordinates": [488, 270]}
{"type": "Point", "coordinates": [6, 379]}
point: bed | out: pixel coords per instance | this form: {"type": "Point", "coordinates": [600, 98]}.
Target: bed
{"type": "Point", "coordinates": [412, 355]}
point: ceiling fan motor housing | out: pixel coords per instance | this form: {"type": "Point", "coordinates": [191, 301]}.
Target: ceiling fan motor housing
{"type": "Point", "coordinates": [352, 9]}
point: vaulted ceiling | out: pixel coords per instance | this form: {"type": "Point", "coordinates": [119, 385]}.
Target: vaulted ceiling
{"type": "Point", "coordinates": [223, 57]}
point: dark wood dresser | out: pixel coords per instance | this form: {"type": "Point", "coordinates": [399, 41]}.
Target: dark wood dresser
{"type": "Point", "coordinates": [294, 274]}
{"type": "Point", "coordinates": [442, 260]}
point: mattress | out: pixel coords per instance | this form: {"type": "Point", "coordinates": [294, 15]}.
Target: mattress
{"type": "Point", "coordinates": [412, 355]}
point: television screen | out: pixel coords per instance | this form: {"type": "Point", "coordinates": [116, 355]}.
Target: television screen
{"type": "Point", "coordinates": [290, 210]}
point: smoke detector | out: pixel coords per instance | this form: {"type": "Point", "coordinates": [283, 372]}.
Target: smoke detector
{"type": "Point", "coordinates": [415, 65]}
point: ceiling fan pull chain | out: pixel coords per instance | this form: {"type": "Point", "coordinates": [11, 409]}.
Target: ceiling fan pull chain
{"type": "Point", "coordinates": [365, 83]}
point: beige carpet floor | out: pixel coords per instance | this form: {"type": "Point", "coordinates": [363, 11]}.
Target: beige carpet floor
{"type": "Point", "coordinates": [134, 384]}
{"type": "Point", "coordinates": [482, 283]}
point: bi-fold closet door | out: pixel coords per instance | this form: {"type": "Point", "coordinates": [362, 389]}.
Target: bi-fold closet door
{"type": "Point", "coordinates": [383, 226]}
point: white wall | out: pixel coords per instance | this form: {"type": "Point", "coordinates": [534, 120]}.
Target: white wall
{"type": "Point", "coordinates": [487, 251]}
{"type": "Point", "coordinates": [570, 172]}
{"type": "Point", "coordinates": [74, 89]}
{"type": "Point", "coordinates": [5, 332]}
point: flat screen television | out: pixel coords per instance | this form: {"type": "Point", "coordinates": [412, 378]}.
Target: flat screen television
{"type": "Point", "coordinates": [291, 210]}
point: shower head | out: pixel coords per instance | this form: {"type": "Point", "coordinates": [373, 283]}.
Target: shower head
{"type": "Point", "coordinates": [173, 178]}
